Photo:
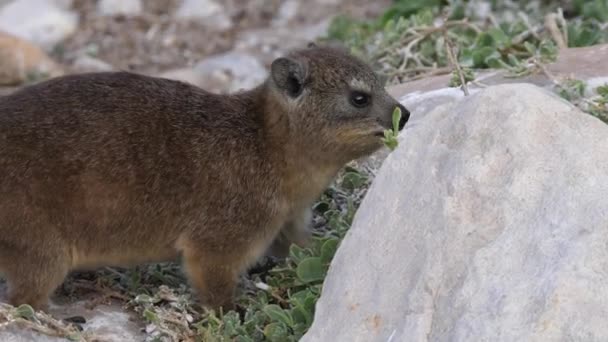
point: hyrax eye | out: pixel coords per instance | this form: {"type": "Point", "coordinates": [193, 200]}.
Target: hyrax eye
{"type": "Point", "coordinates": [359, 99]}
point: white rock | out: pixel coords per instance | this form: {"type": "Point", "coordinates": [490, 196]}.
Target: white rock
{"type": "Point", "coordinates": [187, 75]}
{"type": "Point", "coordinates": [223, 73]}
{"type": "Point", "coordinates": [85, 63]}
{"type": "Point", "coordinates": [43, 22]}
{"type": "Point", "coordinates": [287, 11]}
{"type": "Point", "coordinates": [119, 7]}
{"type": "Point", "coordinates": [239, 70]}
{"type": "Point", "coordinates": [210, 12]}
{"type": "Point", "coordinates": [489, 222]}
{"type": "Point", "coordinates": [105, 322]}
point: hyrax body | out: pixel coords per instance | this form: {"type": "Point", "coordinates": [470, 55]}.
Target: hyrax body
{"type": "Point", "coordinates": [118, 169]}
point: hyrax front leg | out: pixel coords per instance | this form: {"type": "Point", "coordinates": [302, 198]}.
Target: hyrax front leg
{"type": "Point", "coordinates": [32, 276]}
{"type": "Point", "coordinates": [295, 231]}
{"type": "Point", "coordinates": [213, 276]}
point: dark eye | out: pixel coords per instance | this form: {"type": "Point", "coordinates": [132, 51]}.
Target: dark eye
{"type": "Point", "coordinates": [359, 99]}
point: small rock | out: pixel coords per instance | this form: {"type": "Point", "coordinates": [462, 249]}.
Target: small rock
{"type": "Point", "coordinates": [217, 82]}
{"type": "Point", "coordinates": [224, 73]}
{"type": "Point", "coordinates": [489, 222]}
{"type": "Point", "coordinates": [209, 12]}
{"type": "Point", "coordinates": [287, 11]}
{"type": "Point", "coordinates": [42, 22]}
{"type": "Point", "coordinates": [105, 322]}
{"type": "Point", "coordinates": [241, 70]}
{"type": "Point", "coordinates": [87, 63]}
{"type": "Point", "coordinates": [21, 61]}
{"type": "Point", "coordinates": [119, 7]}
{"type": "Point", "coordinates": [187, 75]}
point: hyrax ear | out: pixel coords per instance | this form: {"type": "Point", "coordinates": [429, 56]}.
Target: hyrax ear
{"type": "Point", "coordinates": [289, 75]}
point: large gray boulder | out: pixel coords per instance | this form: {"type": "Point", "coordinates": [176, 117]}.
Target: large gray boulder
{"type": "Point", "coordinates": [488, 223]}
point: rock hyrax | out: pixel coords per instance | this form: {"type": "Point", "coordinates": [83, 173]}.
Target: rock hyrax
{"type": "Point", "coordinates": [118, 169]}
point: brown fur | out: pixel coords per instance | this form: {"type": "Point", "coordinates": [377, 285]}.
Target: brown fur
{"type": "Point", "coordinates": [118, 169]}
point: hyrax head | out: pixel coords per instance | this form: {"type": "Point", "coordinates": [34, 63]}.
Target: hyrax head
{"type": "Point", "coordinates": [335, 102]}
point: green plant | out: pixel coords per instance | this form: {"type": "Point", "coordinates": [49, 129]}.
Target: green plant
{"type": "Point", "coordinates": [575, 91]}
{"type": "Point", "coordinates": [468, 76]}
{"type": "Point", "coordinates": [407, 42]}
{"type": "Point", "coordinates": [24, 316]}
{"type": "Point", "coordinates": [390, 136]}
{"type": "Point", "coordinates": [591, 9]}
{"type": "Point", "coordinates": [598, 105]}
{"type": "Point", "coordinates": [572, 89]}
{"type": "Point", "coordinates": [282, 307]}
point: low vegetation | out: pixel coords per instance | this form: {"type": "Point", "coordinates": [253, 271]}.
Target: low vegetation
{"type": "Point", "coordinates": [418, 38]}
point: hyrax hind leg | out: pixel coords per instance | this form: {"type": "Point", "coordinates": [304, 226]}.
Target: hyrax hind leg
{"type": "Point", "coordinates": [32, 275]}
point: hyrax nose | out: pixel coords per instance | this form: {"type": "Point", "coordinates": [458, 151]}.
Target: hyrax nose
{"type": "Point", "coordinates": [405, 116]}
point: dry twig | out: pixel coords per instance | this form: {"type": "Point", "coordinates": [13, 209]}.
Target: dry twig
{"type": "Point", "coordinates": [454, 62]}
{"type": "Point", "coordinates": [551, 25]}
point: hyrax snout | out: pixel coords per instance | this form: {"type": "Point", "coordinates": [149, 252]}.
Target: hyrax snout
{"type": "Point", "coordinates": [118, 169]}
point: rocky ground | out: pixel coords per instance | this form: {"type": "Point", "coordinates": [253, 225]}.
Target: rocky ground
{"type": "Point", "coordinates": [220, 45]}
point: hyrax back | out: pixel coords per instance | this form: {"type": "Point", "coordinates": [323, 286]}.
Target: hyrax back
{"type": "Point", "coordinates": [118, 169]}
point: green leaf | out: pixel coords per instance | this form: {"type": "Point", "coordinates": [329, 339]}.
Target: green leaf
{"type": "Point", "coordinates": [596, 9]}
{"type": "Point", "coordinates": [304, 306]}
{"type": "Point", "coordinates": [389, 140]}
{"type": "Point", "coordinates": [602, 90]}
{"type": "Point", "coordinates": [25, 311]}
{"type": "Point", "coordinates": [466, 58]}
{"type": "Point", "coordinates": [582, 35]}
{"type": "Point", "coordinates": [353, 180]}
{"type": "Point", "coordinates": [75, 337]}
{"type": "Point", "coordinates": [530, 48]}
{"type": "Point", "coordinates": [275, 331]}
{"type": "Point", "coordinates": [548, 51]}
{"type": "Point", "coordinates": [150, 316]}
{"type": "Point", "coordinates": [328, 250]}
{"type": "Point", "coordinates": [390, 136]}
{"type": "Point", "coordinates": [499, 37]}
{"type": "Point", "coordinates": [407, 8]}
{"type": "Point", "coordinates": [513, 60]}
{"type": "Point", "coordinates": [276, 313]}
{"type": "Point", "coordinates": [396, 118]}
{"type": "Point", "coordinates": [484, 40]}
{"type": "Point", "coordinates": [493, 60]}
{"type": "Point", "coordinates": [296, 253]}
{"type": "Point", "coordinates": [244, 339]}
{"type": "Point", "coordinates": [299, 330]}
{"type": "Point", "coordinates": [310, 270]}
{"type": "Point", "coordinates": [480, 55]}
